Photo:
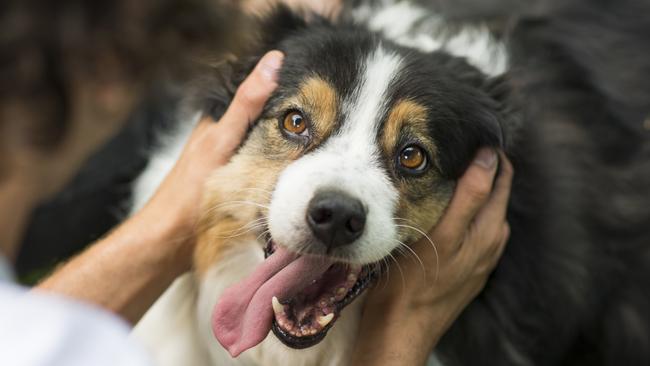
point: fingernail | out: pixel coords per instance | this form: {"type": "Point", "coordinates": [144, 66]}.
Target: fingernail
{"type": "Point", "coordinates": [486, 158]}
{"type": "Point", "coordinates": [270, 64]}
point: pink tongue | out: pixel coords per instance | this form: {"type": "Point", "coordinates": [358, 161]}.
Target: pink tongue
{"type": "Point", "coordinates": [243, 316]}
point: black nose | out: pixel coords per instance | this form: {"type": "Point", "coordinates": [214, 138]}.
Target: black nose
{"type": "Point", "coordinates": [336, 218]}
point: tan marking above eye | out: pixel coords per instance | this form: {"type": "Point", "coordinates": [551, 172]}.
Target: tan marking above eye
{"type": "Point", "coordinates": [319, 98]}
{"type": "Point", "coordinates": [405, 113]}
{"type": "Point", "coordinates": [413, 157]}
{"type": "Point", "coordinates": [295, 123]}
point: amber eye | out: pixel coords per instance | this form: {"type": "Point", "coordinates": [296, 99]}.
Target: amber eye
{"type": "Point", "coordinates": [413, 157]}
{"type": "Point", "coordinates": [294, 123]}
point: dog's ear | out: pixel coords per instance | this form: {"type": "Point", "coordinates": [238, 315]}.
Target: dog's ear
{"type": "Point", "coordinates": [493, 118]}
{"type": "Point", "coordinates": [477, 115]}
{"type": "Point", "coordinates": [213, 91]}
{"type": "Point", "coordinates": [281, 23]}
{"type": "Point", "coordinates": [506, 104]}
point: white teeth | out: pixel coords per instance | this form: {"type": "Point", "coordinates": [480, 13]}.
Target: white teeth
{"type": "Point", "coordinates": [352, 277]}
{"type": "Point", "coordinates": [341, 291]}
{"type": "Point", "coordinates": [277, 307]}
{"type": "Point", "coordinates": [325, 319]}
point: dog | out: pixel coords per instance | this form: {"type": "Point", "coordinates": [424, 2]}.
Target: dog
{"type": "Point", "coordinates": [357, 153]}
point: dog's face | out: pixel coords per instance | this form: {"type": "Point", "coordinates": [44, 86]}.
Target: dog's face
{"type": "Point", "coordinates": [355, 156]}
{"type": "Point", "coordinates": [375, 136]}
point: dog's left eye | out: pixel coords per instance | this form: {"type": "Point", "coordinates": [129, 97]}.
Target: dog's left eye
{"type": "Point", "coordinates": [413, 158]}
{"type": "Point", "coordinates": [295, 123]}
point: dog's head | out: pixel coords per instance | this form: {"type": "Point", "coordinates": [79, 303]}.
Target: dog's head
{"type": "Point", "coordinates": [355, 155]}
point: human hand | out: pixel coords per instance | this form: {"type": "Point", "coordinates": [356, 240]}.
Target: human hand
{"type": "Point", "coordinates": [404, 318]}
{"type": "Point", "coordinates": [175, 205]}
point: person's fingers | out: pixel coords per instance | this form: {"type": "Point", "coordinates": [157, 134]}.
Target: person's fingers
{"type": "Point", "coordinates": [253, 92]}
{"type": "Point", "coordinates": [472, 191]}
{"type": "Point", "coordinates": [500, 240]}
{"type": "Point", "coordinates": [505, 235]}
{"type": "Point", "coordinates": [490, 217]}
{"type": "Point", "coordinates": [500, 245]}
{"type": "Point", "coordinates": [245, 107]}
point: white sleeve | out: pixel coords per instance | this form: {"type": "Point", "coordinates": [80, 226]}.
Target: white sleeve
{"type": "Point", "coordinates": [38, 329]}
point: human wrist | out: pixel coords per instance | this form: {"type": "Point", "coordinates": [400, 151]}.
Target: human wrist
{"type": "Point", "coordinates": [394, 333]}
{"type": "Point", "coordinates": [413, 322]}
{"type": "Point", "coordinates": [426, 322]}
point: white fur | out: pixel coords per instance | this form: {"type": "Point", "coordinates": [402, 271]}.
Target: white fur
{"type": "Point", "coordinates": [348, 161]}
{"type": "Point", "coordinates": [412, 26]}
{"type": "Point", "coordinates": [169, 329]}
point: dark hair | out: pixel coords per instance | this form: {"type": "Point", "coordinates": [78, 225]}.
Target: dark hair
{"type": "Point", "coordinates": [41, 41]}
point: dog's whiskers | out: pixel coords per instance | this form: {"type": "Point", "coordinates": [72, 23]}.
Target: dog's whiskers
{"type": "Point", "coordinates": [383, 267]}
{"type": "Point", "coordinates": [399, 268]}
{"type": "Point", "coordinates": [238, 202]}
{"type": "Point", "coordinates": [256, 189]}
{"type": "Point", "coordinates": [240, 233]}
{"type": "Point", "coordinates": [433, 245]}
{"type": "Point", "coordinates": [403, 219]}
{"type": "Point", "coordinates": [403, 246]}
{"type": "Point", "coordinates": [246, 228]}
{"type": "Point", "coordinates": [267, 231]}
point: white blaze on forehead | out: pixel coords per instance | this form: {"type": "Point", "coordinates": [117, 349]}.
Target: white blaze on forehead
{"type": "Point", "coordinates": [364, 109]}
{"type": "Point", "coordinates": [350, 162]}
{"type": "Point", "coordinates": [412, 26]}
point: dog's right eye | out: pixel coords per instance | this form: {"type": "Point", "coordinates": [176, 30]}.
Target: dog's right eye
{"type": "Point", "coordinates": [295, 123]}
{"type": "Point", "coordinates": [412, 159]}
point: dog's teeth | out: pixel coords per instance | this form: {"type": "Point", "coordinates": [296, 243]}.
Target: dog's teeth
{"type": "Point", "coordinates": [352, 277]}
{"type": "Point", "coordinates": [341, 291]}
{"type": "Point", "coordinates": [277, 307]}
{"type": "Point", "coordinates": [325, 319]}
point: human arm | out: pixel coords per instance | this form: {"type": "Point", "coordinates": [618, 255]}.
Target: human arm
{"type": "Point", "coordinates": [403, 321]}
{"type": "Point", "coordinates": [126, 271]}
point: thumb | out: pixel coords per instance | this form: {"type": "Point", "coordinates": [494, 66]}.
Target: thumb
{"type": "Point", "coordinates": [253, 93]}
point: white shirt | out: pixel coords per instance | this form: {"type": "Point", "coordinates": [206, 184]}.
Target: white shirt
{"type": "Point", "coordinates": [38, 329]}
{"type": "Point", "coordinates": [5, 270]}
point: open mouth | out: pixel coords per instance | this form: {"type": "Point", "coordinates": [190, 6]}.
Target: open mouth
{"type": "Point", "coordinates": [304, 319]}
{"type": "Point", "coordinates": [297, 297]}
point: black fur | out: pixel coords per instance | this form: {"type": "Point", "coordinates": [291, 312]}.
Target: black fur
{"type": "Point", "coordinates": [572, 287]}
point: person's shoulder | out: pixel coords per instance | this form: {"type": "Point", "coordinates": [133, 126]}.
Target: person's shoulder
{"type": "Point", "coordinates": [44, 329]}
